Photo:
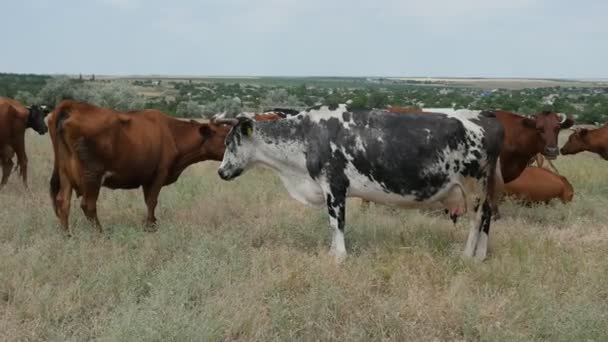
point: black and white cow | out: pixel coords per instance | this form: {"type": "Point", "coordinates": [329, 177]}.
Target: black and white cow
{"type": "Point", "coordinates": [326, 154]}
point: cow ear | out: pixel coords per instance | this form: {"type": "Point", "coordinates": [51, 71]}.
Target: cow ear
{"type": "Point", "coordinates": [205, 131]}
{"type": "Point", "coordinates": [530, 123]}
{"type": "Point", "coordinates": [247, 128]}
{"type": "Point", "coordinates": [567, 123]}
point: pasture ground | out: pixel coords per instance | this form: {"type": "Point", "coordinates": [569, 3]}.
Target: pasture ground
{"type": "Point", "coordinates": [243, 261]}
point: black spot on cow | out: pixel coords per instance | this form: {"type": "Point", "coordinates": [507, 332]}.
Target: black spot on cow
{"type": "Point", "coordinates": [346, 116]}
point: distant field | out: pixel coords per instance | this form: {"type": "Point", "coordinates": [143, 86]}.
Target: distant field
{"type": "Point", "coordinates": [474, 82]}
{"type": "Point", "coordinates": [243, 261]}
{"type": "Point", "coordinates": [510, 83]}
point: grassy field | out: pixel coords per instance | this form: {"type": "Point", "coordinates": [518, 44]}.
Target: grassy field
{"type": "Point", "coordinates": [243, 261]}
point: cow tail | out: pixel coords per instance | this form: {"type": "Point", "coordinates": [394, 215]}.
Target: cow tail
{"type": "Point", "coordinates": [55, 182]}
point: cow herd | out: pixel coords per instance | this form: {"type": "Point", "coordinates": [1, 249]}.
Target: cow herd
{"type": "Point", "coordinates": [461, 161]}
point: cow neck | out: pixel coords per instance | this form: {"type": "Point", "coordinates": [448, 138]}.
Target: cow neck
{"type": "Point", "coordinates": [525, 139]}
{"type": "Point", "coordinates": [280, 151]}
{"type": "Point", "coordinates": [188, 143]}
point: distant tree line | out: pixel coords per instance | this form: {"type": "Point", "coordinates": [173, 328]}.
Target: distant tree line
{"type": "Point", "coordinates": [192, 99]}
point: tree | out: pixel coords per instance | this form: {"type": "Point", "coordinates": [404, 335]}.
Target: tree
{"type": "Point", "coordinates": [26, 98]}
{"type": "Point", "coordinates": [279, 98]}
{"type": "Point", "coordinates": [56, 90]}
{"type": "Point", "coordinates": [116, 95]}
{"type": "Point", "coordinates": [228, 106]}
{"type": "Point", "coordinates": [189, 109]}
{"type": "Point", "coordinates": [377, 99]}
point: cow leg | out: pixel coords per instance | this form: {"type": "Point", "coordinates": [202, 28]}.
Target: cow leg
{"type": "Point", "coordinates": [7, 167]}
{"type": "Point", "coordinates": [19, 148]}
{"type": "Point", "coordinates": [151, 193]}
{"type": "Point", "coordinates": [151, 199]}
{"type": "Point", "coordinates": [497, 192]}
{"type": "Point", "coordinates": [89, 202]}
{"type": "Point", "coordinates": [475, 221]}
{"type": "Point", "coordinates": [63, 202]}
{"type": "Point", "coordinates": [336, 207]}
{"type": "Point", "coordinates": [481, 249]}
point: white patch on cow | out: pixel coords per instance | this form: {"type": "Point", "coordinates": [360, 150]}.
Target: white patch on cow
{"type": "Point", "coordinates": [465, 116]}
{"type": "Point", "coordinates": [106, 175]}
{"type": "Point", "coordinates": [324, 113]}
{"type": "Point", "coordinates": [338, 248]}
{"type": "Point", "coordinates": [288, 160]}
{"type": "Point", "coordinates": [359, 144]}
{"type": "Point", "coordinates": [249, 115]}
{"type": "Point", "coordinates": [482, 246]}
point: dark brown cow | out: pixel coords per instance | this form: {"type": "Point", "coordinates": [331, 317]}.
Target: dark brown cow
{"type": "Point", "coordinates": [15, 118]}
{"type": "Point", "coordinates": [525, 137]}
{"type": "Point", "coordinates": [593, 140]}
{"type": "Point", "coordinates": [266, 117]}
{"type": "Point", "coordinates": [539, 185]}
{"type": "Point", "coordinates": [97, 147]}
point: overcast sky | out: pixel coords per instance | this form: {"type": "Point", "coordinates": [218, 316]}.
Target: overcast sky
{"type": "Point", "coordinates": [485, 38]}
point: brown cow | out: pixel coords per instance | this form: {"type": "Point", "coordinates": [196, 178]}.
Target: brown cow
{"type": "Point", "coordinates": [538, 185]}
{"type": "Point", "coordinates": [593, 140]}
{"type": "Point", "coordinates": [525, 137]}
{"type": "Point", "coordinates": [97, 147]}
{"type": "Point", "coordinates": [15, 118]}
{"type": "Point", "coordinates": [266, 117]}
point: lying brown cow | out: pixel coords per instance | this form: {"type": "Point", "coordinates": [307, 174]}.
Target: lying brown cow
{"type": "Point", "coordinates": [97, 147]}
{"type": "Point", "coordinates": [15, 118]}
{"type": "Point", "coordinates": [593, 140]}
{"type": "Point", "coordinates": [537, 185]}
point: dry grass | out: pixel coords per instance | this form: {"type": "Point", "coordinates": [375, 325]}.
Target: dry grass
{"type": "Point", "coordinates": [242, 261]}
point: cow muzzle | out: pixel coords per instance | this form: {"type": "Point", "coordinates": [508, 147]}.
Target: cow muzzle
{"type": "Point", "coordinates": [551, 152]}
{"type": "Point", "coordinates": [225, 175]}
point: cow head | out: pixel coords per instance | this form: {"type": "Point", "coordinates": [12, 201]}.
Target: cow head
{"type": "Point", "coordinates": [239, 148]}
{"type": "Point", "coordinates": [548, 124]}
{"type": "Point", "coordinates": [577, 142]}
{"type": "Point", "coordinates": [35, 119]}
{"type": "Point", "coordinates": [213, 135]}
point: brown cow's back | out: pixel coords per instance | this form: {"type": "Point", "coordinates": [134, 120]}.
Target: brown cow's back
{"type": "Point", "coordinates": [20, 108]}
{"type": "Point", "coordinates": [536, 185]}
{"type": "Point", "coordinates": [111, 141]}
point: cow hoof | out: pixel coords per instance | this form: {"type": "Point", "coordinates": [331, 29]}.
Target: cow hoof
{"type": "Point", "coordinates": [338, 256]}
{"type": "Point", "coordinates": [151, 227]}
{"type": "Point", "coordinates": [479, 257]}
